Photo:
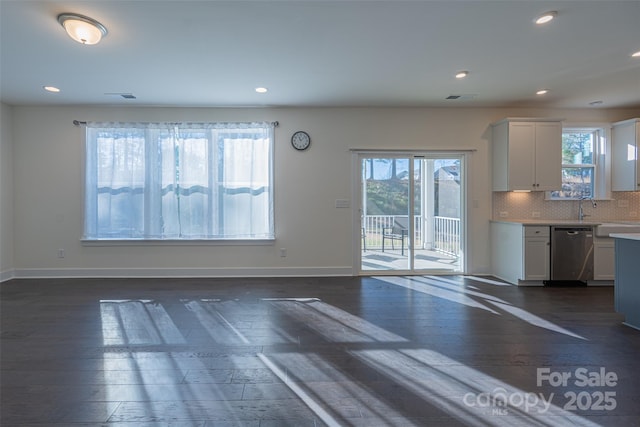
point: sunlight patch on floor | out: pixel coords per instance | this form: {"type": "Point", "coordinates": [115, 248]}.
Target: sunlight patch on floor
{"type": "Point", "coordinates": [448, 387]}
{"type": "Point", "coordinates": [457, 292]}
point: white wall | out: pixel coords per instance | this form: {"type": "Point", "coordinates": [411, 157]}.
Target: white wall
{"type": "Point", "coordinates": [48, 174]}
{"type": "Point", "coordinates": [6, 193]}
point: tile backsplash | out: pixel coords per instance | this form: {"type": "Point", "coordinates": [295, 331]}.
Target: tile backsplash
{"type": "Point", "coordinates": [624, 206]}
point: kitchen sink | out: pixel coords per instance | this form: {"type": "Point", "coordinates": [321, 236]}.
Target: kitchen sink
{"type": "Point", "coordinates": [604, 230]}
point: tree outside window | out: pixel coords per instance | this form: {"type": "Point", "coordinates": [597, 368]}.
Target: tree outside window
{"type": "Point", "coordinates": [578, 165]}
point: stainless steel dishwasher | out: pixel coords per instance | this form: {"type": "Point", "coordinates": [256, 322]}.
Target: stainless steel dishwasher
{"type": "Point", "coordinates": [571, 254]}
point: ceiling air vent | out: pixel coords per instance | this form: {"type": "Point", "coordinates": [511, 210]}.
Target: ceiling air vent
{"type": "Point", "coordinates": [124, 95]}
{"type": "Point", "coordinates": [462, 97]}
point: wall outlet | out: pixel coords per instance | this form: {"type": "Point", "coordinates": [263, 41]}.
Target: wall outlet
{"type": "Point", "coordinates": [342, 203]}
{"type": "Point", "coordinates": [283, 252]}
{"type": "Point", "coordinates": [535, 214]}
{"type": "Point", "coordinates": [60, 253]}
{"type": "Point", "coordinates": [504, 214]}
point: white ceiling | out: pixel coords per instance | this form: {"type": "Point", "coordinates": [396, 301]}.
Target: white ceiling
{"type": "Point", "coordinates": [324, 53]}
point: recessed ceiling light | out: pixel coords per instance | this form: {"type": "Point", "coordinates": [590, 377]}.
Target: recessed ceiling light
{"type": "Point", "coordinates": [542, 92]}
{"type": "Point", "coordinates": [636, 54]}
{"type": "Point", "coordinates": [51, 89]}
{"type": "Point", "coordinates": [462, 74]}
{"type": "Point", "coordinates": [262, 90]}
{"type": "Point", "coordinates": [546, 17]}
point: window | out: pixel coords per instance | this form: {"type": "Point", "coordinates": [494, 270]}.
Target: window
{"type": "Point", "coordinates": [179, 181]}
{"type": "Point", "coordinates": [581, 149]}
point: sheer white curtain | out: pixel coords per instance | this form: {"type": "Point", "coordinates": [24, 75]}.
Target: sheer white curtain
{"type": "Point", "coordinates": [179, 181]}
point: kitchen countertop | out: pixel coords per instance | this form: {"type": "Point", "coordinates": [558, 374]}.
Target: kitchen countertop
{"type": "Point", "coordinates": [550, 222]}
{"type": "Point", "coordinates": [629, 236]}
{"type": "Point", "coordinates": [564, 221]}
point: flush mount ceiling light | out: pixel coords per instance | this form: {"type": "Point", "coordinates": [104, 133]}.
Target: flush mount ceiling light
{"type": "Point", "coordinates": [262, 90]}
{"type": "Point", "coordinates": [546, 17]}
{"type": "Point", "coordinates": [461, 74]}
{"type": "Point", "coordinates": [52, 89]}
{"type": "Point", "coordinates": [636, 54]}
{"type": "Point", "coordinates": [542, 92]}
{"type": "Point", "coordinates": [81, 28]}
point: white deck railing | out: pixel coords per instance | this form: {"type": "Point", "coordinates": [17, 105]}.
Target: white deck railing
{"type": "Point", "coordinates": [444, 235]}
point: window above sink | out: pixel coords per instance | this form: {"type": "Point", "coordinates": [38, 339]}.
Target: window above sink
{"type": "Point", "coordinates": [584, 150]}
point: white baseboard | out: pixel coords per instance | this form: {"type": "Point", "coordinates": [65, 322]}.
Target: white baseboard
{"type": "Point", "coordinates": [7, 275]}
{"type": "Point", "coordinates": [43, 273]}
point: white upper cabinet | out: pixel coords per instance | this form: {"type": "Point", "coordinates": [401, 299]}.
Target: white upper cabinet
{"type": "Point", "coordinates": [527, 154]}
{"type": "Point", "coordinates": [625, 165]}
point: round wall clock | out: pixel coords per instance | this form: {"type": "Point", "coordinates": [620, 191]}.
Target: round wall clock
{"type": "Point", "coordinates": [300, 140]}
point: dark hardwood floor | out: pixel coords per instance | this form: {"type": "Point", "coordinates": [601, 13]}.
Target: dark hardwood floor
{"type": "Point", "coordinates": [378, 351]}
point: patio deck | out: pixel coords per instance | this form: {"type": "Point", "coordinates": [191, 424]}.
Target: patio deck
{"type": "Point", "coordinates": [392, 259]}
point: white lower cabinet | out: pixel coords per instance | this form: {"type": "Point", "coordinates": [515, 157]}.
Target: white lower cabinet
{"type": "Point", "coordinates": [537, 253]}
{"type": "Point", "coordinates": [520, 253]}
{"type": "Point", "coordinates": [604, 258]}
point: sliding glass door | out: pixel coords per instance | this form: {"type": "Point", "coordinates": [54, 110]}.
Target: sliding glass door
{"type": "Point", "coordinates": [411, 213]}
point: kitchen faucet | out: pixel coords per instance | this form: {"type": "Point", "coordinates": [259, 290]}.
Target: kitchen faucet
{"type": "Point", "coordinates": [581, 213]}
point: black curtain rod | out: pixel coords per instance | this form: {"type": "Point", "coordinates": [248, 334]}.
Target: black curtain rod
{"type": "Point", "coordinates": [82, 123]}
